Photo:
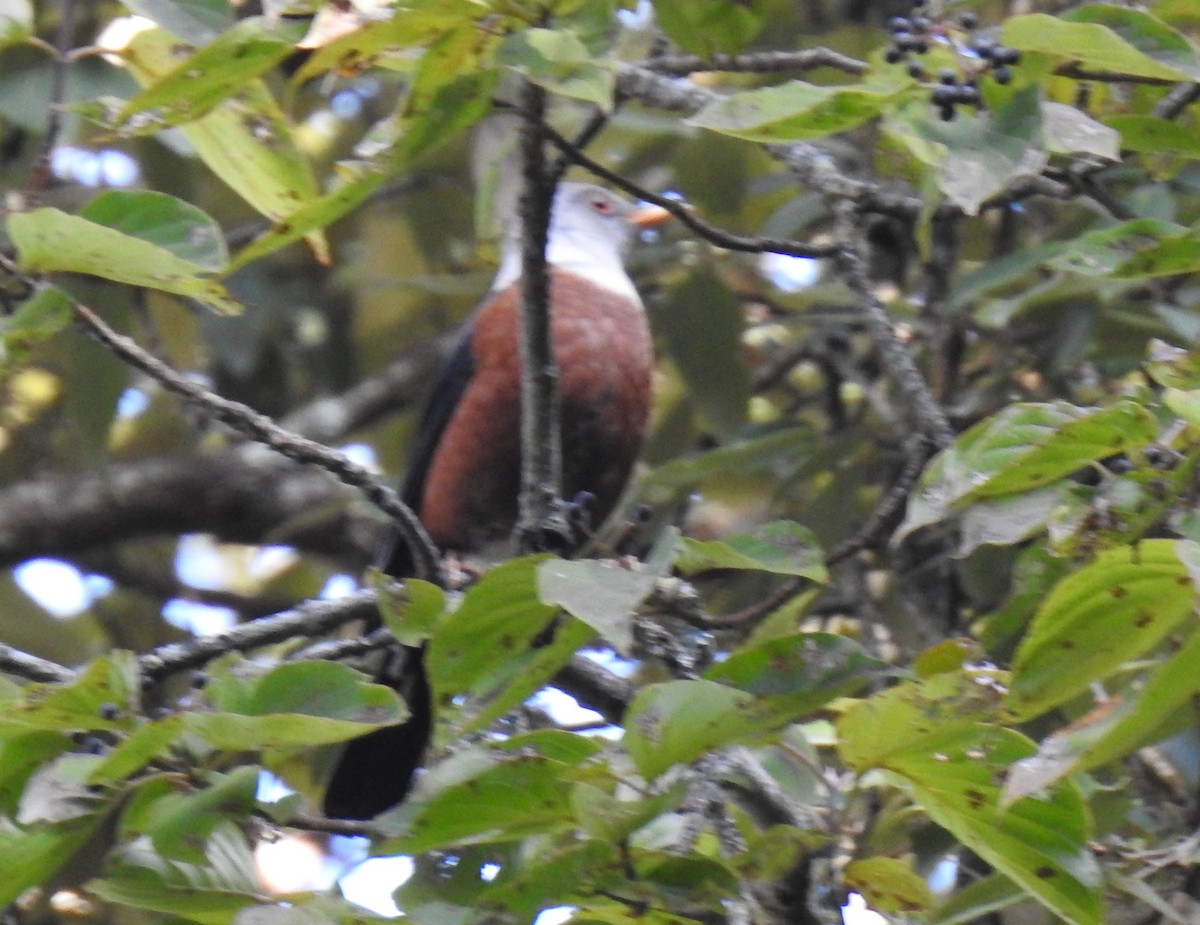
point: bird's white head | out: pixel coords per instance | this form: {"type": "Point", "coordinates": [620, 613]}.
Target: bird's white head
{"type": "Point", "coordinates": [590, 232]}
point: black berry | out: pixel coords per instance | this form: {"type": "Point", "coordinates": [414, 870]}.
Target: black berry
{"type": "Point", "coordinates": [109, 711]}
{"type": "Point", "coordinates": [915, 70]}
{"type": "Point", "coordinates": [948, 76]}
{"type": "Point", "coordinates": [946, 113]}
{"type": "Point", "coordinates": [1002, 75]}
{"type": "Point", "coordinates": [1005, 55]}
{"type": "Point", "coordinates": [893, 55]}
{"type": "Point", "coordinates": [944, 96]}
{"type": "Point", "coordinates": [968, 20]}
{"type": "Point", "coordinates": [899, 24]}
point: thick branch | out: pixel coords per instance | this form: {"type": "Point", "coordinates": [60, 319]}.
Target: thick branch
{"type": "Point", "coordinates": [244, 495]}
{"type": "Point", "coordinates": [541, 431]}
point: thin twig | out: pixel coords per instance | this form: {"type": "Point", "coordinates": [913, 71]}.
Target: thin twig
{"type": "Point", "coordinates": [23, 665]}
{"type": "Point", "coordinates": [541, 431]}
{"type": "Point", "coordinates": [312, 618]}
{"type": "Point", "coordinates": [747, 244]}
{"type": "Point", "coordinates": [259, 427]}
{"type": "Point", "coordinates": [590, 130]}
{"type": "Point", "coordinates": [806, 59]}
{"type": "Point", "coordinates": [40, 176]}
{"type": "Point", "coordinates": [1182, 96]}
{"type": "Point", "coordinates": [930, 419]}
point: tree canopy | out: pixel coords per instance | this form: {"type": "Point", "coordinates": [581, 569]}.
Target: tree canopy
{"type": "Point", "coordinates": [902, 601]}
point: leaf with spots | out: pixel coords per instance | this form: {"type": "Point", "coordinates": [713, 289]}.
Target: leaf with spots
{"type": "Point", "coordinates": [1119, 606]}
{"type": "Point", "coordinates": [1024, 447]}
{"type": "Point", "coordinates": [499, 647]}
{"type": "Point", "coordinates": [49, 240]}
{"type": "Point", "coordinates": [782, 547]}
{"type": "Point", "coordinates": [794, 675]}
{"type": "Point", "coordinates": [888, 884]}
{"type": "Point", "coordinates": [248, 144]}
{"type": "Point", "coordinates": [937, 736]}
{"type": "Point", "coordinates": [216, 72]}
{"type": "Point", "coordinates": [678, 721]}
{"type": "Point", "coordinates": [517, 798]}
{"type": "Point", "coordinates": [799, 111]}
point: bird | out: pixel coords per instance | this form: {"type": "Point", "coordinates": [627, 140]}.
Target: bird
{"type": "Point", "coordinates": [464, 475]}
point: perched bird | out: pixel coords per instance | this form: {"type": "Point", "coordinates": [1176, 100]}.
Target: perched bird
{"type": "Point", "coordinates": [464, 478]}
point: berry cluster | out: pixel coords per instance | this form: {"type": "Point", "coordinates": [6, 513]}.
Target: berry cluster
{"type": "Point", "coordinates": [912, 35]}
{"type": "Point", "coordinates": [950, 93]}
{"type": "Point", "coordinates": [998, 58]}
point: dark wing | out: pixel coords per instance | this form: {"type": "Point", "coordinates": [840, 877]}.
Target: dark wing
{"type": "Point", "coordinates": [376, 771]}
{"type": "Point", "coordinates": [451, 384]}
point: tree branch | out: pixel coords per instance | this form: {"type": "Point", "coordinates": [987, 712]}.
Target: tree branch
{"type": "Point", "coordinates": [541, 515]}
{"type": "Point", "coordinates": [261, 428]}
{"type": "Point", "coordinates": [806, 59]}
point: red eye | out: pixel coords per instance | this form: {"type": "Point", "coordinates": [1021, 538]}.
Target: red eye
{"type": "Point", "coordinates": [601, 206]}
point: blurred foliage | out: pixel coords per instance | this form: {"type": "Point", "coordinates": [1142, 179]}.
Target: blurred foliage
{"type": "Point", "coordinates": [281, 202]}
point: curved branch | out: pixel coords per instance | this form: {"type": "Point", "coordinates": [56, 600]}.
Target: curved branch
{"type": "Point", "coordinates": [261, 428]}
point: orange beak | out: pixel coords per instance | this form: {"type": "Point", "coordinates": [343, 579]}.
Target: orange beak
{"type": "Point", "coordinates": [649, 216]}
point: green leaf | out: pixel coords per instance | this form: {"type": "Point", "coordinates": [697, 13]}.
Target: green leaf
{"type": "Point", "coordinates": [412, 610]}
{"type": "Point", "coordinates": [889, 885]}
{"type": "Point", "coordinates": [976, 900]}
{"type": "Point", "coordinates": [556, 744]}
{"type": "Point", "coordinates": [247, 144]}
{"type": "Point", "coordinates": [1066, 130]}
{"type": "Point", "coordinates": [1117, 607]}
{"type": "Point", "coordinates": [1186, 404]}
{"type": "Point", "coordinates": [987, 151]}
{"type": "Point", "coordinates": [613, 820]}
{"type": "Point", "coordinates": [211, 894]}
{"type": "Point", "coordinates": [52, 241]}
{"type": "Point", "coordinates": [1172, 366]}
{"type": "Point", "coordinates": [1143, 31]}
{"type": "Point", "coordinates": [794, 675]}
{"type": "Point", "coordinates": [194, 21]}
{"type": "Point", "coordinates": [708, 27]}
{"type": "Point", "coordinates": [798, 111]}
{"type": "Point", "coordinates": [1152, 135]}
{"type": "Point", "coordinates": [1008, 519]}
{"type": "Point", "coordinates": [156, 739]}
{"type": "Point", "coordinates": [37, 319]}
{"type": "Point", "coordinates": [16, 22]}
{"type": "Point", "coordinates": [678, 721]}
{"type": "Point", "coordinates": [602, 595]}
{"type": "Point", "coordinates": [217, 71]}
{"type": "Point", "coordinates": [495, 648]}
{"type": "Point", "coordinates": [1022, 448]}
{"type": "Point", "coordinates": [781, 547]}
{"type": "Point", "coordinates": [561, 63]}
{"type": "Point", "coordinates": [84, 705]}
{"type": "Point", "coordinates": [310, 218]}
{"type": "Point", "coordinates": [498, 620]}
{"type": "Point", "coordinates": [1099, 253]}
{"type": "Point", "coordinates": [1097, 46]}
{"type": "Point", "coordinates": [32, 857]}
{"type": "Point", "coordinates": [179, 823]}
{"type": "Point", "coordinates": [549, 876]}
{"type": "Point", "coordinates": [164, 221]}
{"type": "Point", "coordinates": [934, 735]}
{"type": "Point", "coordinates": [517, 798]}
{"type": "Point", "coordinates": [789, 447]}
{"type": "Point", "coordinates": [451, 89]}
